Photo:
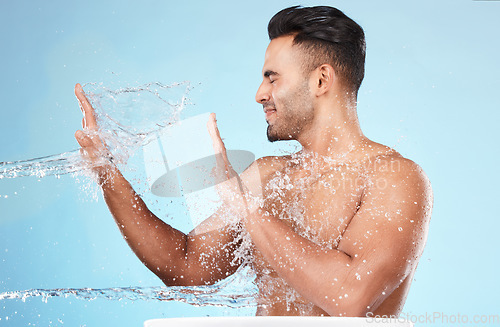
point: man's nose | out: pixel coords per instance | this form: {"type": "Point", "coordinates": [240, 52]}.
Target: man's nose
{"type": "Point", "coordinates": [262, 94]}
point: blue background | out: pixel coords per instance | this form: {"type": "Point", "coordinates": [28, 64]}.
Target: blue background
{"type": "Point", "coordinates": [430, 91]}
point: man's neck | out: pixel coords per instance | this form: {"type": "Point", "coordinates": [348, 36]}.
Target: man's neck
{"type": "Point", "coordinates": [335, 131]}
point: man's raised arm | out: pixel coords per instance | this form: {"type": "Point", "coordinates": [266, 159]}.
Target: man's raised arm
{"type": "Point", "coordinates": [176, 258]}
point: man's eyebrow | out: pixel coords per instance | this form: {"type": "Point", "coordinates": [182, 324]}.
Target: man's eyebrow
{"type": "Point", "coordinates": [268, 73]}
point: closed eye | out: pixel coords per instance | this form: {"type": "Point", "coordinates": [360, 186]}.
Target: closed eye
{"type": "Point", "coordinates": [271, 75]}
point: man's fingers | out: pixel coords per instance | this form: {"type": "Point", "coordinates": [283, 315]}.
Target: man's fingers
{"type": "Point", "coordinates": [84, 140]}
{"type": "Point", "coordinates": [217, 142]}
{"type": "Point", "coordinates": [219, 148]}
{"type": "Point", "coordinates": [218, 145]}
{"type": "Point", "coordinates": [89, 120]}
{"type": "Point", "coordinates": [214, 133]}
{"type": "Point", "coordinates": [89, 140]}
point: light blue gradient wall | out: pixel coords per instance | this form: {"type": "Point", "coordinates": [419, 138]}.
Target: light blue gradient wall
{"type": "Point", "coordinates": [430, 91]}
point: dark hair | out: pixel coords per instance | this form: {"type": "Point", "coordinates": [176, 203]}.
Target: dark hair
{"type": "Point", "coordinates": [328, 36]}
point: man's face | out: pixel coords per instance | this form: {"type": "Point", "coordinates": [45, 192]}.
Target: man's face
{"type": "Point", "coordinates": [284, 92]}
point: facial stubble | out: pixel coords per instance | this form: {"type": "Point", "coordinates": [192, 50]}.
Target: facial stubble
{"type": "Point", "coordinates": [294, 115]}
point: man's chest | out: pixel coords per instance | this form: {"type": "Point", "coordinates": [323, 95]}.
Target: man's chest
{"type": "Point", "coordinates": [317, 204]}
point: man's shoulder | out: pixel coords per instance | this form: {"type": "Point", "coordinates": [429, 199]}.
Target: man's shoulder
{"type": "Point", "coordinates": [394, 175]}
{"type": "Point", "coordinates": [268, 165]}
{"type": "Point", "coordinates": [260, 171]}
{"type": "Point", "coordinates": [393, 165]}
{"type": "Point", "coordinates": [274, 159]}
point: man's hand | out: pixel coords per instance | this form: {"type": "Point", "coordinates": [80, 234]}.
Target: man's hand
{"type": "Point", "coordinates": [93, 147]}
{"type": "Point", "coordinates": [234, 192]}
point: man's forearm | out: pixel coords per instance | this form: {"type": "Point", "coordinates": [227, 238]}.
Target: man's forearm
{"type": "Point", "coordinates": [316, 273]}
{"type": "Point", "coordinates": [162, 248]}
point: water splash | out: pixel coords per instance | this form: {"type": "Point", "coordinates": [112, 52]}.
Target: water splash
{"type": "Point", "coordinates": [237, 291]}
{"type": "Point", "coordinates": [56, 165]}
{"type": "Point", "coordinates": [128, 119]}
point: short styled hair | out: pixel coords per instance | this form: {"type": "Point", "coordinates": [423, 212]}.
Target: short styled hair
{"type": "Point", "coordinates": [327, 36]}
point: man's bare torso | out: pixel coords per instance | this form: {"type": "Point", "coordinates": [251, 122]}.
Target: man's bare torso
{"type": "Point", "coordinates": [318, 198]}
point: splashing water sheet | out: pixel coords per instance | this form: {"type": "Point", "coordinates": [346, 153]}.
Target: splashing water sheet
{"type": "Point", "coordinates": [232, 292]}
{"type": "Point", "coordinates": [128, 118]}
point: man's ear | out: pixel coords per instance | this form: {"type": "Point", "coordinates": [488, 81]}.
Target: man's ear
{"type": "Point", "coordinates": [324, 78]}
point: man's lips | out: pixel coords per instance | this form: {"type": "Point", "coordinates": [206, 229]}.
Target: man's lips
{"type": "Point", "coordinates": [269, 111]}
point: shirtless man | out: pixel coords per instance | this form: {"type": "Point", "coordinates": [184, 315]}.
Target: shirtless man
{"type": "Point", "coordinates": [340, 225]}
